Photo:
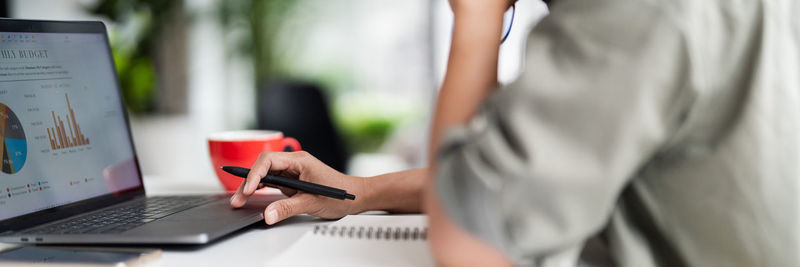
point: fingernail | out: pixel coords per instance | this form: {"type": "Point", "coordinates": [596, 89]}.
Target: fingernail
{"type": "Point", "coordinates": [234, 198]}
{"type": "Point", "coordinates": [272, 216]}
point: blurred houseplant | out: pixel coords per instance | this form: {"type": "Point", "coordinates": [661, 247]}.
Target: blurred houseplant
{"type": "Point", "coordinates": [134, 43]}
{"type": "Point", "coordinates": [264, 21]}
{"type": "Point", "coordinates": [253, 25]}
{"type": "Point", "coordinates": [261, 20]}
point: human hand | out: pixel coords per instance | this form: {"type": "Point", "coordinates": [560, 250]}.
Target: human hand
{"type": "Point", "coordinates": [301, 165]}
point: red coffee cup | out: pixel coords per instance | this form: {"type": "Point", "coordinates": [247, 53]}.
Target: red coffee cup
{"type": "Point", "coordinates": [241, 148]}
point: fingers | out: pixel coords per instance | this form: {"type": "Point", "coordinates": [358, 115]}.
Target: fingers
{"type": "Point", "coordinates": [260, 169]}
{"type": "Point", "coordinates": [271, 162]}
{"type": "Point", "coordinates": [250, 184]}
{"type": "Point", "coordinates": [267, 162]}
{"type": "Point", "coordinates": [239, 199]}
{"type": "Point", "coordinates": [286, 191]}
{"type": "Point", "coordinates": [285, 208]}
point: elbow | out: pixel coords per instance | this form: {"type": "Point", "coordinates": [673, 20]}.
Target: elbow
{"type": "Point", "coordinates": [451, 245]}
{"type": "Point", "coordinates": [455, 247]}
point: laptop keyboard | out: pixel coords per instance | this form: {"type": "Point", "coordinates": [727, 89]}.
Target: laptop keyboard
{"type": "Point", "coordinates": [125, 217]}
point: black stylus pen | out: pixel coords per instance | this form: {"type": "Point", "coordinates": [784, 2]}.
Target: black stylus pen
{"type": "Point", "coordinates": [293, 184]}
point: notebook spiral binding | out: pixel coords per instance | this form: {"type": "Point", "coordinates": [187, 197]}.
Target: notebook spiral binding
{"type": "Point", "coordinates": [377, 233]}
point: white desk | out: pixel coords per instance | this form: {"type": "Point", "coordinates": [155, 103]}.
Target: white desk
{"type": "Point", "coordinates": [252, 246]}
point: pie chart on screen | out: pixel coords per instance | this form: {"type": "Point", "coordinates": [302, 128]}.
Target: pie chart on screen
{"type": "Point", "coordinates": [12, 141]}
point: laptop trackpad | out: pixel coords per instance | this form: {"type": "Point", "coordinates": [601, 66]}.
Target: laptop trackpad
{"type": "Point", "coordinates": [211, 217]}
{"type": "Point", "coordinates": [222, 210]}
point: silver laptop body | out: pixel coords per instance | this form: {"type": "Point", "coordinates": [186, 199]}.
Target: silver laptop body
{"type": "Point", "coordinates": [69, 173]}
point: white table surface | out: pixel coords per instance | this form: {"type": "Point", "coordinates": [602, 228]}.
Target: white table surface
{"type": "Point", "coordinates": [252, 246]}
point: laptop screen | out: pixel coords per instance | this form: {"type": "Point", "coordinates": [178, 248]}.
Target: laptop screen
{"type": "Point", "coordinates": [63, 132]}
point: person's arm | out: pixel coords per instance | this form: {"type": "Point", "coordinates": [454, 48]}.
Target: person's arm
{"type": "Point", "coordinates": [471, 67]}
{"type": "Point", "coordinates": [397, 192]}
{"type": "Point", "coordinates": [543, 162]}
{"type": "Point", "coordinates": [394, 192]}
{"type": "Point", "coordinates": [470, 77]}
{"type": "Point", "coordinates": [452, 245]}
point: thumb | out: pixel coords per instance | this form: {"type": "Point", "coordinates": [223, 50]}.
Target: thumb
{"type": "Point", "coordinates": [279, 210]}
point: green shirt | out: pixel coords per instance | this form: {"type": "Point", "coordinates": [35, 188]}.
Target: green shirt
{"type": "Point", "coordinates": [671, 129]}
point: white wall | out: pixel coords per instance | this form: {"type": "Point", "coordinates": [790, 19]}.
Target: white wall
{"type": "Point", "coordinates": [52, 10]}
{"type": "Point", "coordinates": [510, 64]}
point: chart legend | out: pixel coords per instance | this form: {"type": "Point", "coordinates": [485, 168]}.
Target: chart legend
{"type": "Point", "coordinates": [12, 141]}
{"type": "Point", "coordinates": [66, 136]}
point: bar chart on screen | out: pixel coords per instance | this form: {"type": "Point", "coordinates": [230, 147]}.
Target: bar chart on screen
{"type": "Point", "coordinates": [66, 135]}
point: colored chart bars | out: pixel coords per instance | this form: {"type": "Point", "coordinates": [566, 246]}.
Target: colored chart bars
{"type": "Point", "coordinates": [60, 138]}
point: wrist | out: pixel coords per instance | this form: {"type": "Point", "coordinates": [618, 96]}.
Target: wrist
{"type": "Point", "coordinates": [364, 196]}
{"type": "Point", "coordinates": [376, 194]}
{"type": "Point", "coordinates": [393, 192]}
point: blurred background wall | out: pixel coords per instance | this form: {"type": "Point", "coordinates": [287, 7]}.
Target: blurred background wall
{"type": "Point", "coordinates": [192, 67]}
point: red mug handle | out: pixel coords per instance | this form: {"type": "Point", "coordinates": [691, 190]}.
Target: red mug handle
{"type": "Point", "coordinates": [290, 144]}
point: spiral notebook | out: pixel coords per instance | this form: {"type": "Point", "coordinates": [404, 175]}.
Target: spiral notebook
{"type": "Point", "coordinates": [362, 240]}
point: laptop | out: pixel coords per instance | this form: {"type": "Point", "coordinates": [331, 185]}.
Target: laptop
{"type": "Point", "coordinates": [70, 174]}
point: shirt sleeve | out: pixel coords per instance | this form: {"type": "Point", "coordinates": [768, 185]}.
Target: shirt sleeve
{"type": "Point", "coordinates": [538, 170]}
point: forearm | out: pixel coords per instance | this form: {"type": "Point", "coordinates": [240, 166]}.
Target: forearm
{"type": "Point", "coordinates": [472, 66]}
{"type": "Point", "coordinates": [471, 75]}
{"type": "Point", "coordinates": [399, 192]}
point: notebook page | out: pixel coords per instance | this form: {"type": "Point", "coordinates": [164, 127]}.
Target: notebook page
{"type": "Point", "coordinates": [331, 246]}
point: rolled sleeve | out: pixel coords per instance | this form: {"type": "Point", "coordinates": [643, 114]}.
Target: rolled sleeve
{"type": "Point", "coordinates": [540, 167]}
